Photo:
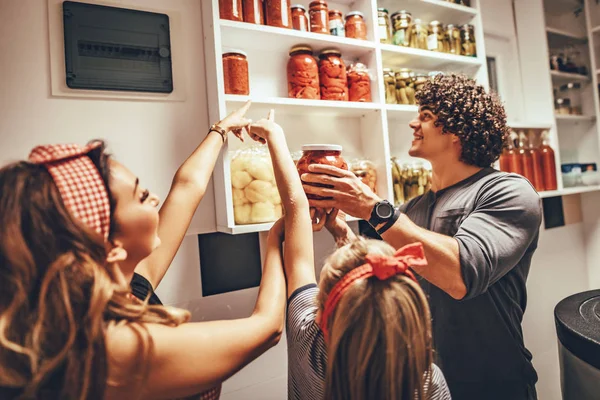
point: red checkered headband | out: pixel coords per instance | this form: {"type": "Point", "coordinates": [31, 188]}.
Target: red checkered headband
{"type": "Point", "coordinates": [79, 182]}
{"type": "Point", "coordinates": [382, 267]}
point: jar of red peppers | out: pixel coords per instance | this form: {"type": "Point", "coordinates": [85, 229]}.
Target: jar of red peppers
{"type": "Point", "coordinates": [355, 25]}
{"type": "Point", "coordinates": [278, 13]}
{"type": "Point", "coordinates": [327, 154]}
{"type": "Point", "coordinates": [336, 23]}
{"type": "Point", "coordinates": [332, 76]}
{"type": "Point", "coordinates": [299, 18]}
{"type": "Point", "coordinates": [303, 74]}
{"type": "Point", "coordinates": [359, 83]}
{"type": "Point", "coordinates": [231, 10]}
{"type": "Point", "coordinates": [235, 72]}
{"type": "Point", "coordinates": [253, 12]}
{"type": "Point", "coordinates": [319, 17]}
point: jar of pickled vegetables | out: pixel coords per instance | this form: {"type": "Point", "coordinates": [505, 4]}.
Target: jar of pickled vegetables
{"type": "Point", "coordinates": [420, 80]}
{"type": "Point", "coordinates": [467, 36]}
{"type": "Point", "coordinates": [336, 23]}
{"type": "Point", "coordinates": [359, 83]}
{"type": "Point", "coordinates": [436, 41]}
{"type": "Point", "coordinates": [453, 38]}
{"type": "Point", "coordinates": [389, 79]}
{"type": "Point", "coordinates": [253, 12]}
{"type": "Point", "coordinates": [278, 13]}
{"type": "Point", "coordinates": [235, 72]}
{"type": "Point", "coordinates": [401, 21]}
{"type": "Point", "coordinates": [231, 10]}
{"type": "Point", "coordinates": [405, 87]}
{"type": "Point", "coordinates": [303, 74]}
{"type": "Point", "coordinates": [319, 17]}
{"type": "Point", "coordinates": [355, 26]}
{"type": "Point", "coordinates": [299, 18]}
{"type": "Point", "coordinates": [333, 79]}
{"type": "Point", "coordinates": [418, 35]}
{"type": "Point", "coordinates": [327, 154]}
{"type": "Point", "coordinates": [366, 172]}
{"type": "Point", "coordinates": [384, 27]}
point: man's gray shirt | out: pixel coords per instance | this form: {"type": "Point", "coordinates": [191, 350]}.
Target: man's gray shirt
{"type": "Point", "coordinates": [495, 218]}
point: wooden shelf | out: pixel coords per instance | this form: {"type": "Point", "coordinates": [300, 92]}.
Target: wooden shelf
{"type": "Point", "coordinates": [569, 191]}
{"type": "Point", "coordinates": [407, 57]}
{"type": "Point", "coordinates": [284, 105]}
{"type": "Point", "coordinates": [561, 38]}
{"type": "Point", "coordinates": [559, 78]}
{"type": "Point", "coordinates": [432, 10]}
{"type": "Point", "coordinates": [575, 118]}
{"type": "Point", "coordinates": [243, 36]}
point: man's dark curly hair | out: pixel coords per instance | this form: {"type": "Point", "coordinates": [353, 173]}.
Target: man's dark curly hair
{"type": "Point", "coordinates": [464, 108]}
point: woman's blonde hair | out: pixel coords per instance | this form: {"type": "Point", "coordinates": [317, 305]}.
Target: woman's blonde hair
{"type": "Point", "coordinates": [58, 295]}
{"type": "Point", "coordinates": [380, 332]}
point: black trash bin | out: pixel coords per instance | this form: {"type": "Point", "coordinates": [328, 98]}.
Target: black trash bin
{"type": "Point", "coordinates": [578, 327]}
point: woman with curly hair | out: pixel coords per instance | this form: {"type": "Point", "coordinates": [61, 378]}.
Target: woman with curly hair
{"type": "Point", "coordinates": [479, 228]}
{"type": "Point", "coordinates": [76, 229]}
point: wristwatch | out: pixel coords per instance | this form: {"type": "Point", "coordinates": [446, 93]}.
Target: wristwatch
{"type": "Point", "coordinates": [383, 212]}
{"type": "Point", "coordinates": [219, 130]}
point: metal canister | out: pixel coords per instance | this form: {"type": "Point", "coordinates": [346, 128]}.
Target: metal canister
{"type": "Point", "coordinates": [453, 37]}
{"type": "Point", "coordinates": [401, 23]}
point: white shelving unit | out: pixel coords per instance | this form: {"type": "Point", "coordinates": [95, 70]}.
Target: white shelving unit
{"type": "Point", "coordinates": [375, 131]}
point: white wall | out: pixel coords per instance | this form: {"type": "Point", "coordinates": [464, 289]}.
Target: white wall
{"type": "Point", "coordinates": [152, 138]}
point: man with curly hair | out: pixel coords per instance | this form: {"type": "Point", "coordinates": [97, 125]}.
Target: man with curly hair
{"type": "Point", "coordinates": [479, 227]}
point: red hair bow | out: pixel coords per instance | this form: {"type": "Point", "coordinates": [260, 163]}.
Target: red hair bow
{"type": "Point", "coordinates": [79, 182]}
{"type": "Point", "coordinates": [382, 267]}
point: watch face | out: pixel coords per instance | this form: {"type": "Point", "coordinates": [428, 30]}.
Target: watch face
{"type": "Point", "coordinates": [384, 210]}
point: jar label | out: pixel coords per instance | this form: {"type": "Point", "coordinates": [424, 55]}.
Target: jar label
{"type": "Point", "coordinates": [336, 28]}
{"type": "Point", "coordinates": [383, 32]}
{"type": "Point", "coordinates": [400, 37]}
{"type": "Point", "coordinates": [432, 42]}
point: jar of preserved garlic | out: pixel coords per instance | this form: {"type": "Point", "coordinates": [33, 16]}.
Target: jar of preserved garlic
{"type": "Point", "coordinates": [231, 10]}
{"type": "Point", "coordinates": [401, 21]}
{"type": "Point", "coordinates": [384, 27]}
{"type": "Point", "coordinates": [319, 18]}
{"type": "Point", "coordinates": [235, 72]}
{"type": "Point", "coordinates": [437, 38]}
{"type": "Point", "coordinates": [355, 26]}
{"type": "Point", "coordinates": [359, 83]}
{"type": "Point", "coordinates": [454, 41]}
{"type": "Point", "coordinates": [303, 74]}
{"type": "Point", "coordinates": [405, 87]}
{"type": "Point", "coordinates": [278, 13]}
{"type": "Point", "coordinates": [389, 79]}
{"type": "Point", "coordinates": [418, 35]}
{"type": "Point", "coordinates": [333, 79]}
{"type": "Point", "coordinates": [299, 18]}
{"type": "Point", "coordinates": [336, 23]}
{"type": "Point", "coordinates": [253, 12]}
{"type": "Point", "coordinates": [467, 36]}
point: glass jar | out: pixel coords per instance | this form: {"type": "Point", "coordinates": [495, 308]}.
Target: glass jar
{"type": "Point", "coordinates": [299, 18]}
{"type": "Point", "coordinates": [405, 87]}
{"type": "Point", "coordinates": [562, 106]}
{"type": "Point", "coordinates": [453, 38]}
{"type": "Point", "coordinates": [326, 154]}
{"type": "Point", "coordinates": [436, 39]}
{"type": "Point", "coordinates": [332, 76]}
{"type": "Point", "coordinates": [336, 23]}
{"type": "Point", "coordinates": [359, 83]}
{"type": "Point", "coordinates": [420, 80]}
{"type": "Point", "coordinates": [418, 35]}
{"type": "Point", "coordinates": [303, 74]}
{"type": "Point", "coordinates": [384, 26]}
{"type": "Point", "coordinates": [253, 12]}
{"type": "Point", "coordinates": [401, 21]}
{"type": "Point", "coordinates": [278, 13]}
{"type": "Point", "coordinates": [467, 37]}
{"type": "Point", "coordinates": [389, 79]}
{"type": "Point", "coordinates": [572, 92]}
{"type": "Point", "coordinates": [231, 10]}
{"type": "Point", "coordinates": [319, 18]}
{"type": "Point", "coordinates": [356, 27]}
{"type": "Point", "coordinates": [366, 172]}
{"type": "Point", "coordinates": [235, 72]}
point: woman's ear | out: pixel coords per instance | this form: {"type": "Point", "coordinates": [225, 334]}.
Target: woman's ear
{"type": "Point", "coordinates": [117, 253]}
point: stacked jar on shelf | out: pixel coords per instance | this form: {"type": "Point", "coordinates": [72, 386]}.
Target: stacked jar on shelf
{"type": "Point", "coordinates": [402, 30]}
{"type": "Point", "coordinates": [536, 163]}
{"type": "Point", "coordinates": [280, 13]}
{"type": "Point", "coordinates": [409, 180]}
{"type": "Point", "coordinates": [401, 85]}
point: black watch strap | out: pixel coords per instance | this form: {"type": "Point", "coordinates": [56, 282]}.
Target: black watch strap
{"type": "Point", "coordinates": [390, 222]}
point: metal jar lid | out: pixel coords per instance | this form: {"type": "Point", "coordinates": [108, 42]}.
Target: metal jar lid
{"type": "Point", "coordinates": [227, 50]}
{"type": "Point", "coordinates": [300, 6]}
{"type": "Point", "coordinates": [321, 147]}
{"type": "Point", "coordinates": [336, 52]}
{"type": "Point", "coordinates": [300, 47]}
{"type": "Point", "coordinates": [353, 13]}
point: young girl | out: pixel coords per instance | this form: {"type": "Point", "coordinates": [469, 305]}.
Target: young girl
{"type": "Point", "coordinates": [365, 332]}
{"type": "Point", "coordinates": [74, 226]}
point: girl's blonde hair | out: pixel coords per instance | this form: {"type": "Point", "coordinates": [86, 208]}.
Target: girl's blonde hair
{"type": "Point", "coordinates": [380, 343]}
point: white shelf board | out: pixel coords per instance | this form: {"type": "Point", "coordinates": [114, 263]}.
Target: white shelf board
{"type": "Point", "coordinates": [241, 35]}
{"type": "Point", "coordinates": [569, 191]}
{"type": "Point", "coordinates": [401, 111]}
{"type": "Point", "coordinates": [407, 57]}
{"type": "Point", "coordinates": [575, 118]}
{"type": "Point", "coordinates": [561, 38]}
{"type": "Point", "coordinates": [252, 228]}
{"type": "Point", "coordinates": [559, 78]}
{"type": "Point", "coordinates": [284, 105]}
{"type": "Point", "coordinates": [529, 125]}
{"type": "Point", "coordinates": [432, 10]}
